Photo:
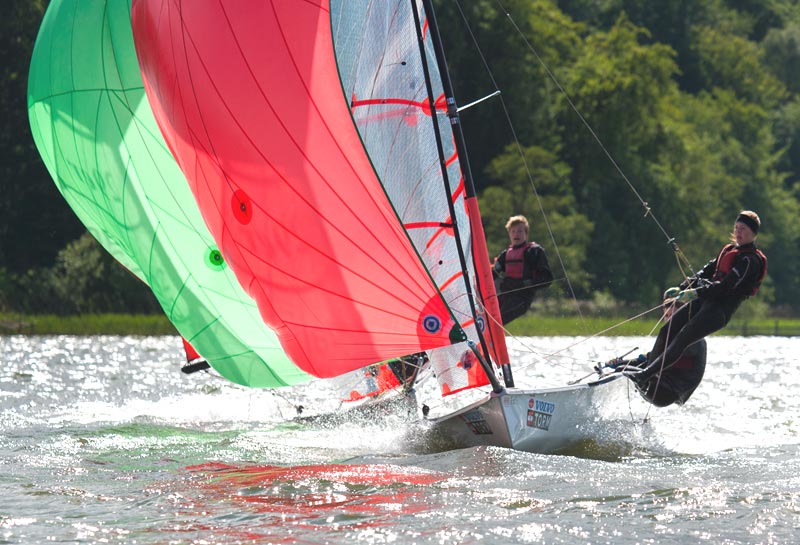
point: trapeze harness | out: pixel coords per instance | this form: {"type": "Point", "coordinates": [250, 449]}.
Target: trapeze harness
{"type": "Point", "coordinates": [514, 297]}
{"type": "Point", "coordinates": [726, 259]}
{"type": "Point", "coordinates": [694, 322]}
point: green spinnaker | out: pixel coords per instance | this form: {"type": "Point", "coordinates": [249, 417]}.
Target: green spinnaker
{"type": "Point", "coordinates": [95, 131]}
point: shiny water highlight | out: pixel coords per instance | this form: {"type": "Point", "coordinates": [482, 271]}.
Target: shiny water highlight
{"type": "Point", "coordinates": [104, 441]}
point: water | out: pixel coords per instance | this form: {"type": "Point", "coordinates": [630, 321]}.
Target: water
{"type": "Point", "coordinates": [104, 441]}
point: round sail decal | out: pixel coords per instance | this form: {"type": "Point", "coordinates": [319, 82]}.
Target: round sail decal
{"type": "Point", "coordinates": [242, 207]}
{"type": "Point", "coordinates": [435, 319]}
{"type": "Point", "coordinates": [481, 323]}
{"type": "Point", "coordinates": [215, 260]}
{"type": "Point", "coordinates": [432, 324]}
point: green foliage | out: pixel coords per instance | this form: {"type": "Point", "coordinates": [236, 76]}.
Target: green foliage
{"type": "Point", "coordinates": [786, 123]}
{"type": "Point", "coordinates": [696, 101]}
{"type": "Point", "coordinates": [781, 48]}
{"type": "Point", "coordinates": [735, 63]}
{"type": "Point", "coordinates": [624, 89]}
{"type": "Point", "coordinates": [88, 280]}
{"type": "Point", "coordinates": [527, 93]}
{"type": "Point", "coordinates": [544, 325]}
{"type": "Point", "coordinates": [88, 324]}
{"type": "Point", "coordinates": [84, 280]}
{"type": "Point", "coordinates": [35, 222]}
{"type": "Point", "coordinates": [535, 183]}
{"type": "Point", "coordinates": [701, 123]}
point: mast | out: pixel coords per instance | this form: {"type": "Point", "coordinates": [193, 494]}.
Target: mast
{"type": "Point", "coordinates": [480, 252]}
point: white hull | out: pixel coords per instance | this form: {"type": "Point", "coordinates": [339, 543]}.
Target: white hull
{"type": "Point", "coordinates": [542, 421]}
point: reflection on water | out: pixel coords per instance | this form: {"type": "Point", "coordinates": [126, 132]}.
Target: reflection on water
{"type": "Point", "coordinates": [271, 504]}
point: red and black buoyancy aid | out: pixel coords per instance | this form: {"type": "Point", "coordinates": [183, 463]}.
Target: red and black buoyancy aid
{"type": "Point", "coordinates": [727, 257]}
{"type": "Point", "coordinates": [515, 260]}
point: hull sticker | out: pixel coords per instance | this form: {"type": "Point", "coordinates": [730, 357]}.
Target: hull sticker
{"type": "Point", "coordinates": [476, 423]}
{"type": "Point", "coordinates": [540, 413]}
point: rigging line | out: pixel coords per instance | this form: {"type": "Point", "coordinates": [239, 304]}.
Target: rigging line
{"type": "Point", "coordinates": [548, 355]}
{"type": "Point", "coordinates": [648, 210]}
{"type": "Point", "coordinates": [515, 290]}
{"type": "Point", "coordinates": [673, 307]}
{"type": "Point", "coordinates": [679, 255]}
{"type": "Point", "coordinates": [214, 375]}
{"type": "Point", "coordinates": [602, 332]}
{"type": "Point", "coordinates": [476, 102]}
{"type": "Point", "coordinates": [533, 186]}
{"type": "Point", "coordinates": [524, 161]}
{"type": "Point", "coordinates": [531, 350]}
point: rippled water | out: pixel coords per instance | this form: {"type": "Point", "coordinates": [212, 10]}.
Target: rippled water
{"type": "Point", "coordinates": [104, 441]}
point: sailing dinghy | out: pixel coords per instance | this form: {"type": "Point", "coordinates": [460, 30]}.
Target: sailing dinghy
{"type": "Point", "coordinates": [322, 144]}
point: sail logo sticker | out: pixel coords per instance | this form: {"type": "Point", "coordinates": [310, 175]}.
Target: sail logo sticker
{"type": "Point", "coordinates": [241, 206]}
{"type": "Point", "coordinates": [540, 413]}
{"type": "Point", "coordinates": [432, 324]}
{"type": "Point", "coordinates": [481, 323]}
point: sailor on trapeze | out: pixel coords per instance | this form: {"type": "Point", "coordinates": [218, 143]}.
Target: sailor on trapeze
{"type": "Point", "coordinates": [677, 359]}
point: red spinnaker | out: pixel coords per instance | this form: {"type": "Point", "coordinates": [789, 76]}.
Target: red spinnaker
{"type": "Point", "coordinates": [250, 102]}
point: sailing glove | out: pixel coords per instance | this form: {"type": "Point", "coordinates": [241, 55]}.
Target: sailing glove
{"type": "Point", "coordinates": [671, 292]}
{"type": "Point", "coordinates": [687, 295]}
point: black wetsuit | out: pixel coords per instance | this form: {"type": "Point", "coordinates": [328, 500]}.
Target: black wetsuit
{"type": "Point", "coordinates": [515, 294]}
{"type": "Point", "coordinates": [678, 383]}
{"type": "Point", "coordinates": [718, 297]}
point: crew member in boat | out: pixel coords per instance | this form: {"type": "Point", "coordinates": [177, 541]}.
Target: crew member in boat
{"type": "Point", "coordinates": [713, 295]}
{"type": "Point", "coordinates": [519, 271]}
{"type": "Point", "coordinates": [677, 383]}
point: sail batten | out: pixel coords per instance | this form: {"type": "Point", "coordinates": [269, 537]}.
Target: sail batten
{"type": "Point", "coordinates": [382, 69]}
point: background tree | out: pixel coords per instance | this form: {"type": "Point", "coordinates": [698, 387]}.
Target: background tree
{"type": "Point", "coordinates": [537, 183]}
{"type": "Point", "coordinates": [35, 222]}
{"type": "Point", "coordinates": [84, 280]}
{"type": "Point", "coordinates": [528, 95]}
{"type": "Point", "coordinates": [623, 89]}
{"type": "Point", "coordinates": [698, 102]}
{"type": "Point", "coordinates": [684, 100]}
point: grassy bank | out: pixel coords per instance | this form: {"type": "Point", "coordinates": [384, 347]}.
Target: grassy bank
{"type": "Point", "coordinates": [89, 324]}
{"type": "Point", "coordinates": [529, 325]}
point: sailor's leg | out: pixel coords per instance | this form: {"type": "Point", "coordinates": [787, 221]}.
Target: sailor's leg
{"type": "Point", "coordinates": [672, 328]}
{"type": "Point", "coordinates": [513, 305]}
{"type": "Point", "coordinates": [709, 319]}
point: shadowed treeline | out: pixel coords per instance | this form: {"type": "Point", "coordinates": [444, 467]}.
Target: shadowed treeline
{"type": "Point", "coordinates": [696, 101]}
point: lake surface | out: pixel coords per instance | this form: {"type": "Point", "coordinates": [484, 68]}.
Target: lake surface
{"type": "Point", "coordinates": [103, 440]}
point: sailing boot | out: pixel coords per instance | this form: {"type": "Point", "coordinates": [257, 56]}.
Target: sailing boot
{"type": "Point", "coordinates": [620, 363]}
{"type": "Point", "coordinates": [640, 375]}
